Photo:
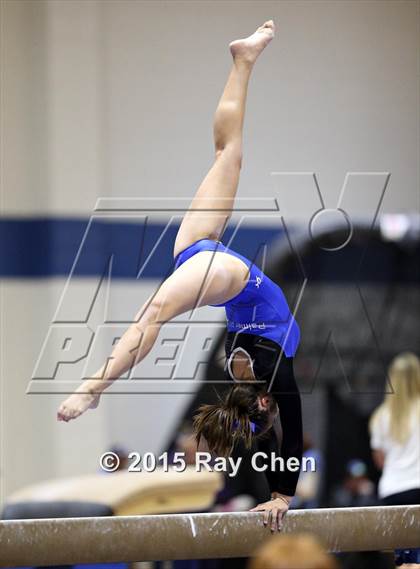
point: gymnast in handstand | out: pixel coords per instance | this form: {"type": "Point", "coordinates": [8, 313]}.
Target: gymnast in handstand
{"type": "Point", "coordinates": [262, 334]}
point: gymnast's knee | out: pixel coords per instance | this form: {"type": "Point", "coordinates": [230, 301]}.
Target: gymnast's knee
{"type": "Point", "coordinates": [232, 151]}
{"type": "Point", "coordinates": [152, 313]}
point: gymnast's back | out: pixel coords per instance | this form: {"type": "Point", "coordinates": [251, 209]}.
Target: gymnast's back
{"type": "Point", "coordinates": [260, 308]}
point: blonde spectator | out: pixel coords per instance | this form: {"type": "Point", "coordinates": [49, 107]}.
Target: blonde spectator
{"type": "Point", "coordinates": [292, 552]}
{"type": "Point", "coordinates": [395, 434]}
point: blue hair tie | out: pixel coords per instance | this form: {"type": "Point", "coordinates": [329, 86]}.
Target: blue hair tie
{"type": "Point", "coordinates": [254, 426]}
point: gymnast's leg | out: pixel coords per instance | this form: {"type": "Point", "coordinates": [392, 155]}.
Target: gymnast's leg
{"type": "Point", "coordinates": [181, 292]}
{"type": "Point", "coordinates": [212, 205]}
{"type": "Point", "coordinates": [184, 290]}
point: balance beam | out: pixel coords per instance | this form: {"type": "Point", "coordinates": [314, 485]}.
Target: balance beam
{"type": "Point", "coordinates": [198, 536]}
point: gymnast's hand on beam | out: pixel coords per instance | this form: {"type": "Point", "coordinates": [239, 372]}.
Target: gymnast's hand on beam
{"type": "Point", "coordinates": [274, 510]}
{"type": "Point", "coordinates": [77, 404]}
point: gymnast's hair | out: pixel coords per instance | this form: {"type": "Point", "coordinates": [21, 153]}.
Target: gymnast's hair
{"type": "Point", "coordinates": [224, 423]}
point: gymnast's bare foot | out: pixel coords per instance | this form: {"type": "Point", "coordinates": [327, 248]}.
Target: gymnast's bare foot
{"type": "Point", "coordinates": [77, 404]}
{"type": "Point", "coordinates": [249, 49]}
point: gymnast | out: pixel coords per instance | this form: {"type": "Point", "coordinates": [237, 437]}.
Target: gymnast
{"type": "Point", "coordinates": [262, 335]}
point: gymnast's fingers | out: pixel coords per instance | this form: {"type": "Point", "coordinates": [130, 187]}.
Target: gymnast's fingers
{"type": "Point", "coordinates": [259, 508]}
{"type": "Point", "coordinates": [267, 514]}
{"type": "Point", "coordinates": [274, 519]}
{"type": "Point", "coordinates": [280, 516]}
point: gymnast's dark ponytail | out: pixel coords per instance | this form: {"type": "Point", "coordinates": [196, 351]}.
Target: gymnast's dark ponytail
{"type": "Point", "coordinates": [222, 424]}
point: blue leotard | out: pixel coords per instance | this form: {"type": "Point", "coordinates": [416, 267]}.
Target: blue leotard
{"type": "Point", "coordinates": [260, 308]}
